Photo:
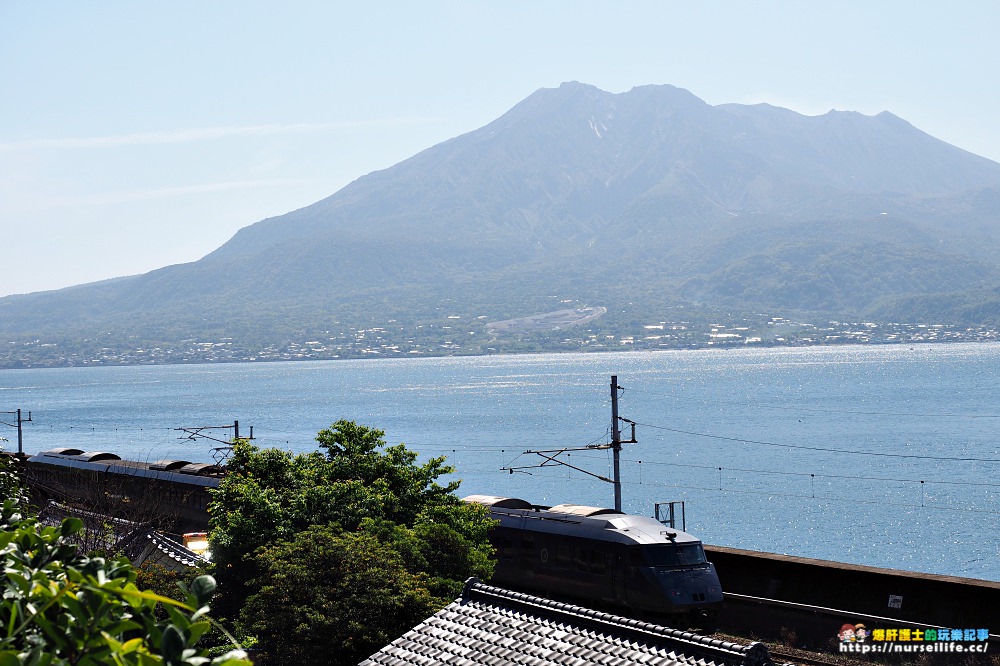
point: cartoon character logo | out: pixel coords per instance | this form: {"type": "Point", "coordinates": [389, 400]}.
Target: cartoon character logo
{"type": "Point", "coordinates": [860, 633]}
{"type": "Point", "coordinates": [846, 634]}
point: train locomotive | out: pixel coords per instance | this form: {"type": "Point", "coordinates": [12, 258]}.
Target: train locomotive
{"type": "Point", "coordinates": [602, 558]}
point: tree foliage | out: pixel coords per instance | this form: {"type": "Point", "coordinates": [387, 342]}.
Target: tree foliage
{"type": "Point", "coordinates": [341, 549]}
{"type": "Point", "coordinates": [339, 593]}
{"type": "Point", "coordinates": [11, 484]}
{"type": "Point", "coordinates": [61, 607]}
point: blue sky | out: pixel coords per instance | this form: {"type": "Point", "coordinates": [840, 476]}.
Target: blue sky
{"type": "Point", "coordinates": [134, 135]}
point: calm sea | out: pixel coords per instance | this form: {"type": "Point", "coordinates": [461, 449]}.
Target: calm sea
{"type": "Point", "coordinates": [885, 456]}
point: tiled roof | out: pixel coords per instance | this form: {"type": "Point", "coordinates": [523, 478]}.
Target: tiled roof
{"type": "Point", "coordinates": [137, 542]}
{"type": "Point", "coordinates": [54, 513]}
{"type": "Point", "coordinates": [493, 626]}
{"type": "Point", "coordinates": [161, 549]}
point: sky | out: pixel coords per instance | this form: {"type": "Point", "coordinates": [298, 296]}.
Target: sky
{"type": "Point", "coordinates": [136, 135]}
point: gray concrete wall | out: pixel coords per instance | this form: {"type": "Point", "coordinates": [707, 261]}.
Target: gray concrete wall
{"type": "Point", "coordinates": [851, 592]}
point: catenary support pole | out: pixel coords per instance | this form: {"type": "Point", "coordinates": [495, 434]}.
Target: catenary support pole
{"type": "Point", "coordinates": [18, 423]}
{"type": "Point", "coordinates": [616, 443]}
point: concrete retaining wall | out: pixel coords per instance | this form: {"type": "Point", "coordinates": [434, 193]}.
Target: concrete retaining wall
{"type": "Point", "coordinates": [848, 591]}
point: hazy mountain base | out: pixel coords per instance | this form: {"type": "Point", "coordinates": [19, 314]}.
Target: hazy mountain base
{"type": "Point", "coordinates": [452, 330]}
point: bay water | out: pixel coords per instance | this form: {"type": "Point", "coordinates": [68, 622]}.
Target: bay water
{"type": "Point", "coordinates": [878, 455]}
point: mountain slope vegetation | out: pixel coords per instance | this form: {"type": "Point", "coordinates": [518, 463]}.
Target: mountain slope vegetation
{"type": "Point", "coordinates": [650, 198]}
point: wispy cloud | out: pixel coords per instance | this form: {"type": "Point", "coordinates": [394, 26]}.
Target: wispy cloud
{"type": "Point", "coordinates": [164, 192]}
{"type": "Point", "coordinates": [128, 196]}
{"type": "Point", "coordinates": [200, 134]}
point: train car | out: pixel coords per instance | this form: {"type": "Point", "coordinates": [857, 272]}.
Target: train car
{"type": "Point", "coordinates": [605, 559]}
{"type": "Point", "coordinates": [173, 494]}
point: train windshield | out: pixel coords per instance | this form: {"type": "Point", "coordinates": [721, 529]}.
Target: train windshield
{"type": "Point", "coordinates": [680, 555]}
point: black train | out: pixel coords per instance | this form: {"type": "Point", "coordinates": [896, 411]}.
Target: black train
{"type": "Point", "coordinates": [172, 494]}
{"type": "Point", "coordinates": [601, 558]}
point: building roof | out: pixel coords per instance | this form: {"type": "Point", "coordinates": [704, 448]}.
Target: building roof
{"type": "Point", "coordinates": [140, 543]}
{"type": "Point", "coordinates": [493, 626]}
{"type": "Point", "coordinates": [146, 545]}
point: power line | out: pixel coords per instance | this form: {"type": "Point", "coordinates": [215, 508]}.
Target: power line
{"type": "Point", "coordinates": [832, 498]}
{"type": "Point", "coordinates": [818, 475]}
{"type": "Point", "coordinates": [845, 477]}
{"type": "Point", "coordinates": [860, 413]}
{"type": "Point", "coordinates": [583, 454]}
{"type": "Point", "coordinates": [797, 408]}
{"type": "Point", "coordinates": [817, 448]}
{"type": "Point", "coordinates": [851, 500]}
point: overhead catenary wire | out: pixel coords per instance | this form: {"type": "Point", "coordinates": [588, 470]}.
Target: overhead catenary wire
{"type": "Point", "coordinates": [603, 458]}
{"type": "Point", "coordinates": [816, 498]}
{"type": "Point", "coordinates": [823, 498]}
{"type": "Point", "coordinates": [596, 456]}
{"type": "Point", "coordinates": [154, 431]}
{"type": "Point", "coordinates": [804, 474]}
{"type": "Point", "coordinates": [799, 408]}
{"type": "Point", "coordinates": [744, 440]}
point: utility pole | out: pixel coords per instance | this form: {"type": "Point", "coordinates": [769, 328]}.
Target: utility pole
{"type": "Point", "coordinates": [20, 431]}
{"type": "Point", "coordinates": [616, 443]}
{"type": "Point", "coordinates": [220, 453]}
{"type": "Point", "coordinates": [551, 456]}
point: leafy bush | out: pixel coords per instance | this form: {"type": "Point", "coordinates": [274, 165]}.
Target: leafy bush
{"type": "Point", "coordinates": [330, 597]}
{"type": "Point", "coordinates": [60, 607]}
{"type": "Point", "coordinates": [11, 483]}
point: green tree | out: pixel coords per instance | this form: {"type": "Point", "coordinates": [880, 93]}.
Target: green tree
{"type": "Point", "coordinates": [356, 493]}
{"type": "Point", "coordinates": [342, 596]}
{"type": "Point", "coordinates": [60, 607]}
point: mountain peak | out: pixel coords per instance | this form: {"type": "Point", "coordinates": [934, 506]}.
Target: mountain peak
{"type": "Point", "coordinates": [576, 85]}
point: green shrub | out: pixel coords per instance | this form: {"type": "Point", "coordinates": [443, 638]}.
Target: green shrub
{"type": "Point", "coordinates": [60, 607]}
